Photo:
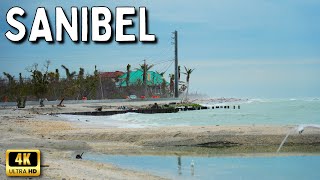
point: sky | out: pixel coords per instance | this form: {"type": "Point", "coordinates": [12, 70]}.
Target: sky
{"type": "Point", "coordinates": [239, 48]}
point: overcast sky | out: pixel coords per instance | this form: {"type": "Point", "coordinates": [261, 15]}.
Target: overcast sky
{"type": "Point", "coordinates": [239, 48]}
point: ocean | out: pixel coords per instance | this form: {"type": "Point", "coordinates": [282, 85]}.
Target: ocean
{"type": "Point", "coordinates": [251, 112]}
{"type": "Point", "coordinates": [250, 167]}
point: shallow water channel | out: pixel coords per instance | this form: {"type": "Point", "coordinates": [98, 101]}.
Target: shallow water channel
{"type": "Point", "coordinates": [190, 167]}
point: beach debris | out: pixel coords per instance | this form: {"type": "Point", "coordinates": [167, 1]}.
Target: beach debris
{"type": "Point", "coordinates": [41, 102]}
{"type": "Point", "coordinates": [79, 156]}
{"type": "Point", "coordinates": [155, 106]}
{"type": "Point", "coordinates": [123, 108]}
{"type": "Point", "coordinates": [99, 108]}
{"type": "Point", "coordinates": [60, 104]}
{"type": "Point", "coordinates": [177, 134]}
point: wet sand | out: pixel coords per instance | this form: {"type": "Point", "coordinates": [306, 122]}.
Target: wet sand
{"type": "Point", "coordinates": [60, 141]}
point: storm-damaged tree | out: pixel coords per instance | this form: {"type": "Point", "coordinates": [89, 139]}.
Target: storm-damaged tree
{"type": "Point", "coordinates": [17, 90]}
{"type": "Point", "coordinates": [22, 92]}
{"type": "Point", "coordinates": [3, 87]}
{"type": "Point", "coordinates": [68, 88]}
{"type": "Point", "coordinates": [145, 68]}
{"type": "Point", "coordinates": [128, 75]}
{"type": "Point", "coordinates": [171, 84]}
{"type": "Point", "coordinates": [39, 81]}
{"type": "Point", "coordinates": [69, 75]}
{"type": "Point", "coordinates": [80, 84]}
{"type": "Point", "coordinates": [10, 87]}
{"type": "Point", "coordinates": [163, 86]}
{"type": "Point", "coordinates": [54, 84]}
{"type": "Point", "coordinates": [86, 85]}
{"type": "Point", "coordinates": [188, 73]}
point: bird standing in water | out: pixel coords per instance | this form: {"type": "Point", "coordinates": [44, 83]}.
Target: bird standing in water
{"type": "Point", "coordinates": [192, 168]}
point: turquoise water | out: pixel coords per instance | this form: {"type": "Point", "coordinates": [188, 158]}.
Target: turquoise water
{"type": "Point", "coordinates": [263, 112]}
{"type": "Point", "coordinates": [258, 112]}
{"type": "Point", "coordinates": [205, 168]}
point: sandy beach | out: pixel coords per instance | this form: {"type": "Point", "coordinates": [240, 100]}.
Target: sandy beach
{"type": "Point", "coordinates": [60, 141]}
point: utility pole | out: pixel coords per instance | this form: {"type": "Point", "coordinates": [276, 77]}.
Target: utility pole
{"type": "Point", "coordinates": [176, 66]}
{"type": "Point", "coordinates": [145, 78]}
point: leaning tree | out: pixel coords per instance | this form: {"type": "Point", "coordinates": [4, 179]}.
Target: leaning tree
{"type": "Point", "coordinates": [188, 73]}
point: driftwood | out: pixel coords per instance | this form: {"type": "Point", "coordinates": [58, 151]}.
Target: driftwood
{"type": "Point", "coordinates": [99, 108]}
{"type": "Point", "coordinates": [60, 104]}
{"type": "Point", "coordinates": [21, 102]}
{"type": "Point", "coordinates": [79, 156]}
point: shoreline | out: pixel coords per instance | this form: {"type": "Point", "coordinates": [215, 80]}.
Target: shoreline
{"type": "Point", "coordinates": [60, 140]}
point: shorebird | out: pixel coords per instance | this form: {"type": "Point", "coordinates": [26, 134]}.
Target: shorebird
{"type": "Point", "coordinates": [301, 127]}
{"type": "Point", "coordinates": [192, 167]}
{"type": "Point", "coordinates": [78, 156]}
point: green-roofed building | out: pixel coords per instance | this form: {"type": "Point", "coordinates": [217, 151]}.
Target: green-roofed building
{"type": "Point", "coordinates": [154, 80]}
{"type": "Point", "coordinates": [136, 77]}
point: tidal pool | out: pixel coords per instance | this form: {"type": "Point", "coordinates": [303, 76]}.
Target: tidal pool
{"type": "Point", "coordinates": [189, 167]}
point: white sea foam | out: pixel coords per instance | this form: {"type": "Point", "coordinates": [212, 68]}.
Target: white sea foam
{"type": "Point", "coordinates": [274, 112]}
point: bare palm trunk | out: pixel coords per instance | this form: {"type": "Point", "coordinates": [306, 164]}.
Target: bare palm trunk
{"type": "Point", "coordinates": [187, 91]}
{"type": "Point", "coordinates": [145, 88]}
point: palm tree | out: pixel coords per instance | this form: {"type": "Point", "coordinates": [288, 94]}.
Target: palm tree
{"type": "Point", "coordinates": [69, 75]}
{"type": "Point", "coordinates": [188, 73]}
{"type": "Point", "coordinates": [145, 68]}
{"type": "Point", "coordinates": [57, 75]}
{"type": "Point", "coordinates": [81, 73]}
{"type": "Point", "coordinates": [128, 75]}
{"type": "Point", "coordinates": [40, 82]}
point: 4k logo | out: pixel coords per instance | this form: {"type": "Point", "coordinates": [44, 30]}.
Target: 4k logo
{"type": "Point", "coordinates": [23, 163]}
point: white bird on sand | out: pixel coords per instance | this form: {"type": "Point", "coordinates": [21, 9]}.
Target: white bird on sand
{"type": "Point", "coordinates": [301, 127]}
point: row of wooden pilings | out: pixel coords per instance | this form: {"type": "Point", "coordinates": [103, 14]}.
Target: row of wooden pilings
{"type": "Point", "coordinates": [152, 111]}
{"type": "Point", "coordinates": [187, 108]}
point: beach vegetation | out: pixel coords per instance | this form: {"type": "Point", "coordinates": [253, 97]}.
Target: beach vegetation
{"type": "Point", "coordinates": [44, 83]}
{"type": "Point", "coordinates": [145, 68]}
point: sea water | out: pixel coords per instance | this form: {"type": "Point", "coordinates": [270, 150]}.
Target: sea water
{"type": "Point", "coordinates": [251, 112]}
{"type": "Point", "coordinates": [258, 112]}
{"type": "Point", "coordinates": [207, 168]}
